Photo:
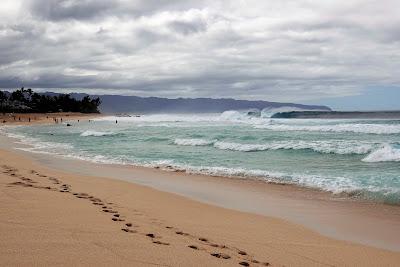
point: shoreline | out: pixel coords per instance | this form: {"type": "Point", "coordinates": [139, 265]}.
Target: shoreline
{"type": "Point", "coordinates": [355, 195]}
{"type": "Point", "coordinates": [286, 197]}
{"type": "Point", "coordinates": [57, 213]}
{"type": "Point", "coordinates": [278, 224]}
{"type": "Point", "coordinates": [363, 222]}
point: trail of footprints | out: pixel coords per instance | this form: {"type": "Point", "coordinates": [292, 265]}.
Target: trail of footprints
{"type": "Point", "coordinates": [220, 251]}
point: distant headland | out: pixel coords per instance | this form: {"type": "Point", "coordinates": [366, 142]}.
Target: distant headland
{"type": "Point", "coordinates": [136, 104]}
{"type": "Point", "coordinates": [26, 100]}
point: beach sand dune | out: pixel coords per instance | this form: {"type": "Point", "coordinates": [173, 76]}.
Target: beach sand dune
{"type": "Point", "coordinates": [53, 218]}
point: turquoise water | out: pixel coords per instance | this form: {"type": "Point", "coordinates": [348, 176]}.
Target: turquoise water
{"type": "Point", "coordinates": [355, 157]}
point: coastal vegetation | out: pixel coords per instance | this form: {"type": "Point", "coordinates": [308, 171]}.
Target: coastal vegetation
{"type": "Point", "coordinates": [25, 100]}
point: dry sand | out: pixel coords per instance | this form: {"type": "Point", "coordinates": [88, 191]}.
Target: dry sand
{"type": "Point", "coordinates": [50, 217]}
{"type": "Point", "coordinates": [36, 118]}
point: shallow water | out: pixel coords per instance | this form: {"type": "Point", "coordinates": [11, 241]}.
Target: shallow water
{"type": "Point", "coordinates": [356, 157]}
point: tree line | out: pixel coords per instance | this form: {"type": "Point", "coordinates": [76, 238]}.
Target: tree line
{"type": "Point", "coordinates": [25, 100]}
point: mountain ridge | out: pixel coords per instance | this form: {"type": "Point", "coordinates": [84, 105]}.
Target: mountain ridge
{"type": "Point", "coordinates": [126, 104]}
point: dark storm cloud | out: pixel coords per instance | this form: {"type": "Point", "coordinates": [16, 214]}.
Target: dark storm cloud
{"type": "Point", "coordinates": [188, 27]}
{"type": "Point", "coordinates": [57, 10]}
{"type": "Point", "coordinates": [67, 9]}
{"type": "Point", "coordinates": [286, 50]}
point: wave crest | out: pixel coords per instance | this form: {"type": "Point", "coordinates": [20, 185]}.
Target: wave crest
{"type": "Point", "coordinates": [327, 147]}
{"type": "Point", "coordinates": [385, 153]}
{"type": "Point", "coordinates": [193, 142]}
{"type": "Point", "coordinates": [338, 128]}
{"type": "Point", "coordinates": [96, 133]}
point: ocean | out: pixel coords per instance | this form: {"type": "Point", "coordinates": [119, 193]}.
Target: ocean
{"type": "Point", "coordinates": [354, 158]}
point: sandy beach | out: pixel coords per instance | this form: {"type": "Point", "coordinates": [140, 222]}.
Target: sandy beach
{"type": "Point", "coordinates": [42, 118]}
{"type": "Point", "coordinates": [58, 213]}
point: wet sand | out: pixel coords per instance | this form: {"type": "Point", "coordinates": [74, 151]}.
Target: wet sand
{"type": "Point", "coordinates": [341, 218]}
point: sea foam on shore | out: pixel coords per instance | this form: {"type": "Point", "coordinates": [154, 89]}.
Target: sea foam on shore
{"type": "Point", "coordinates": [340, 156]}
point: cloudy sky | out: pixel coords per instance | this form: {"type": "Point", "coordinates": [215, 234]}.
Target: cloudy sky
{"type": "Point", "coordinates": [325, 51]}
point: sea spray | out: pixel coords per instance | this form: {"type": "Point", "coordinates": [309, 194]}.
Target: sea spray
{"type": "Point", "coordinates": [385, 153]}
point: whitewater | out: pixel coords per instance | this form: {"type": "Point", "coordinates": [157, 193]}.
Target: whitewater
{"type": "Point", "coordinates": [358, 158]}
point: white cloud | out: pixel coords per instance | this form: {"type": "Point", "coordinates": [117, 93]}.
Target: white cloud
{"type": "Point", "coordinates": [274, 50]}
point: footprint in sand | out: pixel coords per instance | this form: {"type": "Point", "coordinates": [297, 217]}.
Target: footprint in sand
{"type": "Point", "coordinates": [181, 233]}
{"type": "Point", "coordinates": [217, 246]}
{"type": "Point", "coordinates": [20, 184]}
{"type": "Point", "coordinates": [241, 252]}
{"type": "Point", "coordinates": [221, 255]}
{"type": "Point", "coordinates": [244, 263]}
{"type": "Point", "coordinates": [161, 243]}
{"type": "Point", "coordinates": [128, 230]}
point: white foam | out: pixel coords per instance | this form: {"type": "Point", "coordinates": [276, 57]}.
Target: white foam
{"type": "Point", "coordinates": [336, 185]}
{"type": "Point", "coordinates": [341, 147]}
{"type": "Point", "coordinates": [336, 147]}
{"type": "Point", "coordinates": [193, 142]}
{"type": "Point", "coordinates": [343, 127]}
{"type": "Point", "coordinates": [96, 133]}
{"type": "Point", "coordinates": [35, 145]}
{"type": "Point", "coordinates": [241, 147]}
{"type": "Point", "coordinates": [166, 120]}
{"type": "Point", "coordinates": [243, 117]}
{"type": "Point", "coordinates": [386, 153]}
{"type": "Point", "coordinates": [163, 118]}
{"type": "Point", "coordinates": [258, 121]}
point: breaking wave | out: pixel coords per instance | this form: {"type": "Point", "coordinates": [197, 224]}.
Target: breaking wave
{"type": "Point", "coordinates": [339, 128]}
{"type": "Point", "coordinates": [357, 147]}
{"type": "Point", "coordinates": [95, 133]}
{"type": "Point", "coordinates": [192, 142]}
{"type": "Point", "coordinates": [336, 184]}
{"type": "Point", "coordinates": [329, 147]}
{"type": "Point", "coordinates": [386, 153]}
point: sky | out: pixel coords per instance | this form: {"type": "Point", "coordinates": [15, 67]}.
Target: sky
{"type": "Point", "coordinates": [345, 54]}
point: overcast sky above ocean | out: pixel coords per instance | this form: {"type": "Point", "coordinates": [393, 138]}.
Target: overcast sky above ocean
{"type": "Point", "coordinates": [297, 51]}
